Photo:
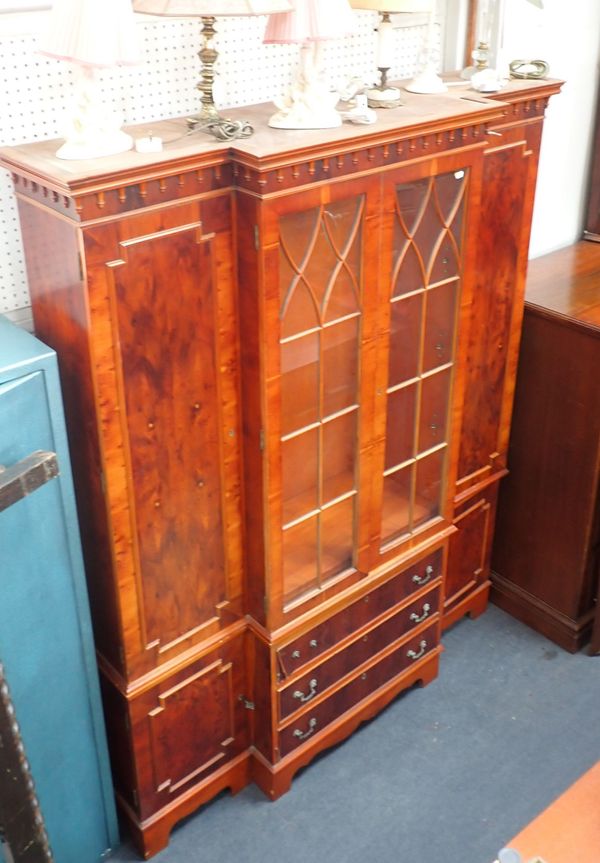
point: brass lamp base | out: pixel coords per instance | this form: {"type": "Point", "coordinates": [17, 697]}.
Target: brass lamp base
{"type": "Point", "coordinates": [222, 128]}
{"type": "Point", "coordinates": [383, 95]}
{"type": "Point", "coordinates": [208, 119]}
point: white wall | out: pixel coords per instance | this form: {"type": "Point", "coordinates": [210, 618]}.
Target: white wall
{"type": "Point", "coordinates": [566, 35]}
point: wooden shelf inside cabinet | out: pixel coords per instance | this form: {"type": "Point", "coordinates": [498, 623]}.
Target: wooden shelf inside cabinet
{"type": "Point", "coordinates": [280, 376]}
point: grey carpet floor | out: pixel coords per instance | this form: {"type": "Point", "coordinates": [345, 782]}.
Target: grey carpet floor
{"type": "Point", "coordinates": [446, 774]}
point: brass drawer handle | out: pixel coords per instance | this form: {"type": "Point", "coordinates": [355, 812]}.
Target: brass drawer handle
{"type": "Point", "coordinates": [423, 579]}
{"type": "Point", "coordinates": [312, 686]}
{"type": "Point", "coordinates": [419, 618]}
{"type": "Point", "coordinates": [302, 735]}
{"type": "Point", "coordinates": [312, 643]}
{"type": "Point", "coordinates": [412, 654]}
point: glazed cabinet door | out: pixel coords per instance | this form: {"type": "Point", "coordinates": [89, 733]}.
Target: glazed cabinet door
{"type": "Point", "coordinates": [320, 289]}
{"type": "Point", "coordinates": [164, 338]}
{"type": "Point", "coordinates": [425, 293]}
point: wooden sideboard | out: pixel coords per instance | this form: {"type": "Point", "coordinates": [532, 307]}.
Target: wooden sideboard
{"type": "Point", "coordinates": [546, 568]}
{"type": "Point", "coordinates": [288, 365]}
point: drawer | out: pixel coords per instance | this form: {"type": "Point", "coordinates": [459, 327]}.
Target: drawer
{"type": "Point", "coordinates": [319, 679]}
{"type": "Point", "coordinates": [311, 644]}
{"type": "Point", "coordinates": [310, 723]}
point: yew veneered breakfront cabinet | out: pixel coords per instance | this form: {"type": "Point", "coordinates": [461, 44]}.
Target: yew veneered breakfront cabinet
{"type": "Point", "coordinates": [288, 366]}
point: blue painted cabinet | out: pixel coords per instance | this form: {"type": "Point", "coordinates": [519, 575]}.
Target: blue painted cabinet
{"type": "Point", "coordinates": [46, 646]}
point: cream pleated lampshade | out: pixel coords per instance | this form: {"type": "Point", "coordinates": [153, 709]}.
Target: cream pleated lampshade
{"type": "Point", "coordinates": [98, 33]}
{"type": "Point", "coordinates": [311, 21]}
{"type": "Point", "coordinates": [209, 8]}
{"type": "Point", "coordinates": [394, 5]}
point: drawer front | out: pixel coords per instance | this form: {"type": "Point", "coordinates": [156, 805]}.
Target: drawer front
{"type": "Point", "coordinates": [315, 682]}
{"type": "Point", "coordinates": [310, 723]}
{"type": "Point", "coordinates": [329, 633]}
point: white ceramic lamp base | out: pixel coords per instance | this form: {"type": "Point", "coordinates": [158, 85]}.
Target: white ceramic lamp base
{"type": "Point", "coordinates": [297, 116]}
{"type": "Point", "coordinates": [309, 104]}
{"type": "Point", "coordinates": [96, 146]}
{"type": "Point", "coordinates": [94, 129]}
{"type": "Point", "coordinates": [427, 81]}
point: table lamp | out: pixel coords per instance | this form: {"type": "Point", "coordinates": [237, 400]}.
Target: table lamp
{"type": "Point", "coordinates": [209, 119]}
{"type": "Point", "coordinates": [310, 103]}
{"type": "Point", "coordinates": [384, 96]}
{"type": "Point", "coordinates": [427, 79]}
{"type": "Point", "coordinates": [92, 35]}
{"type": "Point", "coordinates": [480, 53]}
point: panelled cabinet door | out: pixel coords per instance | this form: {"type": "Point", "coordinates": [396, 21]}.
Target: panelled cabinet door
{"type": "Point", "coordinates": [509, 174]}
{"type": "Point", "coordinates": [190, 725]}
{"type": "Point", "coordinates": [423, 294]}
{"type": "Point", "coordinates": [320, 290]}
{"type": "Point", "coordinates": [469, 554]}
{"type": "Point", "coordinates": [164, 334]}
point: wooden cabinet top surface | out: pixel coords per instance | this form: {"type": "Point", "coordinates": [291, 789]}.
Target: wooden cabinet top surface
{"type": "Point", "coordinates": [567, 283]}
{"type": "Point", "coordinates": [267, 148]}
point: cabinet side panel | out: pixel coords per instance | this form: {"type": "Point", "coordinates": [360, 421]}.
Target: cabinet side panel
{"type": "Point", "coordinates": [546, 511]}
{"type": "Point", "coordinates": [507, 200]}
{"type": "Point", "coordinates": [61, 320]}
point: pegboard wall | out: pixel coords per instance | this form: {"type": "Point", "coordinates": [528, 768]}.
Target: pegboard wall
{"type": "Point", "coordinates": [38, 91]}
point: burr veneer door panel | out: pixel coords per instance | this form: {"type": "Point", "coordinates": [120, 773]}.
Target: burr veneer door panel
{"type": "Point", "coordinates": [467, 577]}
{"type": "Point", "coordinates": [509, 175]}
{"type": "Point", "coordinates": [164, 335]}
{"type": "Point", "coordinates": [172, 754]}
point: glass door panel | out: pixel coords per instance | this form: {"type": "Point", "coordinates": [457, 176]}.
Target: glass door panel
{"type": "Point", "coordinates": [429, 474]}
{"type": "Point", "coordinates": [340, 365]}
{"type": "Point", "coordinates": [300, 573]}
{"type": "Point", "coordinates": [426, 268]}
{"type": "Point", "coordinates": [321, 268]}
{"type": "Point", "coordinates": [338, 449]}
{"type": "Point", "coordinates": [337, 538]}
{"type": "Point", "coordinates": [409, 260]}
{"type": "Point", "coordinates": [397, 503]}
{"type": "Point", "coordinates": [400, 434]}
{"type": "Point", "coordinates": [405, 337]}
{"type": "Point", "coordinates": [427, 233]}
{"type": "Point", "coordinates": [320, 285]}
{"type": "Point", "coordinates": [449, 197]}
{"type": "Point", "coordinates": [446, 262]}
{"type": "Point", "coordinates": [299, 456]}
{"type": "Point", "coordinates": [433, 418]}
{"type": "Point", "coordinates": [412, 199]}
{"type": "Point", "coordinates": [299, 383]}
{"type": "Point", "coordinates": [440, 326]}
{"type": "Point", "coordinates": [301, 313]}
